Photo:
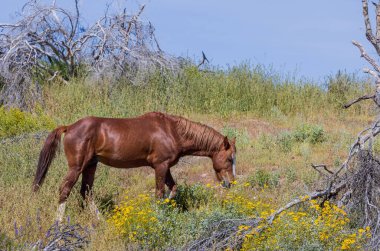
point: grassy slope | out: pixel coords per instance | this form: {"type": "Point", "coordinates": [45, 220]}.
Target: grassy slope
{"type": "Point", "coordinates": [260, 110]}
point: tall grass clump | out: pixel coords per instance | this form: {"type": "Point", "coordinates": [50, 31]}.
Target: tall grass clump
{"type": "Point", "coordinates": [344, 87]}
{"type": "Point", "coordinates": [239, 90]}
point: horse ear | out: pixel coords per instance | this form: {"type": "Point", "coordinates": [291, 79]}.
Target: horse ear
{"type": "Point", "coordinates": [226, 143]}
{"type": "Point", "coordinates": [233, 141]}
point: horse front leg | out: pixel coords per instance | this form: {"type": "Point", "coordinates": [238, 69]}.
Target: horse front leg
{"type": "Point", "coordinates": [171, 184]}
{"type": "Point", "coordinates": [160, 173]}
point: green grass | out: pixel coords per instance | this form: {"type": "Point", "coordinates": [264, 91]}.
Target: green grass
{"type": "Point", "coordinates": [240, 90]}
{"type": "Point", "coordinates": [281, 126]}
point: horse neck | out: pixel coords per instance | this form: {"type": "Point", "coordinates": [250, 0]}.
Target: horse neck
{"type": "Point", "coordinates": [190, 149]}
{"type": "Point", "coordinates": [197, 139]}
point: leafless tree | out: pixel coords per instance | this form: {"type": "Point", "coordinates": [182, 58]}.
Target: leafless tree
{"type": "Point", "coordinates": [50, 42]}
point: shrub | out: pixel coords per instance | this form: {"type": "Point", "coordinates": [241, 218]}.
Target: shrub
{"type": "Point", "coordinates": [266, 142]}
{"type": "Point", "coordinates": [263, 178]}
{"type": "Point", "coordinates": [244, 89]}
{"type": "Point", "coordinates": [313, 228]}
{"type": "Point", "coordinates": [285, 141]}
{"type": "Point", "coordinates": [140, 220]}
{"type": "Point", "coordinates": [343, 87]}
{"type": "Point", "coordinates": [192, 196]}
{"type": "Point", "coordinates": [304, 133]}
{"type": "Point", "coordinates": [14, 121]}
{"type": "Point", "coordinates": [246, 206]}
{"type": "Point", "coordinates": [309, 133]}
{"type": "Point", "coordinates": [156, 224]}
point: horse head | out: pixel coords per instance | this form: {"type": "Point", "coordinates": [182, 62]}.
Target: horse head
{"type": "Point", "coordinates": [224, 162]}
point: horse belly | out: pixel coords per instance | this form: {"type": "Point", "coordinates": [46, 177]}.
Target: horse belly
{"type": "Point", "coordinates": [123, 163]}
{"type": "Point", "coordinates": [123, 151]}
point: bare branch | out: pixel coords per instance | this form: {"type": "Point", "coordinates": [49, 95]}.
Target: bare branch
{"type": "Point", "coordinates": [365, 97]}
{"type": "Point", "coordinates": [204, 59]}
{"type": "Point", "coordinates": [377, 6]}
{"type": "Point", "coordinates": [312, 196]}
{"type": "Point", "coordinates": [324, 168]}
{"type": "Point", "coordinates": [367, 22]}
{"type": "Point", "coordinates": [366, 56]}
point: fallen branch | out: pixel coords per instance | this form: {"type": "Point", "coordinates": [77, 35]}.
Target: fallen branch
{"type": "Point", "coordinates": [226, 234]}
{"type": "Point", "coordinates": [64, 237]}
{"type": "Point", "coordinates": [324, 168]}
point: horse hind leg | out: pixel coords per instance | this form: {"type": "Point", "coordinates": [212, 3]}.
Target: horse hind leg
{"type": "Point", "coordinates": [65, 189]}
{"type": "Point", "coordinates": [77, 163]}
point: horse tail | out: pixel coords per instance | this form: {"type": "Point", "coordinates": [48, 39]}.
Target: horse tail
{"type": "Point", "coordinates": [47, 155]}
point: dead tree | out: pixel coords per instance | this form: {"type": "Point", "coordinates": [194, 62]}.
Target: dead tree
{"type": "Point", "coordinates": [50, 42]}
{"type": "Point", "coordinates": [355, 184]}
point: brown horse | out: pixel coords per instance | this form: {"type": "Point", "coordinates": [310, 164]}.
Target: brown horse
{"type": "Point", "coordinates": [154, 139]}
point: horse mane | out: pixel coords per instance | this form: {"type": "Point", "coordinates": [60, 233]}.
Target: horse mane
{"type": "Point", "coordinates": [203, 136]}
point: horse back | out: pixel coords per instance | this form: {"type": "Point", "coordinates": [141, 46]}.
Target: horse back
{"type": "Point", "coordinates": [125, 142]}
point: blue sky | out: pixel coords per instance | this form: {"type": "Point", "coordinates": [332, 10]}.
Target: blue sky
{"type": "Point", "coordinates": [310, 39]}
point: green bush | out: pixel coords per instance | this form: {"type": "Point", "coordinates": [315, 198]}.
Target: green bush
{"type": "Point", "coordinates": [263, 178]}
{"type": "Point", "coordinates": [285, 141]}
{"type": "Point", "coordinates": [304, 133]}
{"type": "Point", "coordinates": [192, 196]}
{"type": "Point", "coordinates": [309, 133]}
{"type": "Point", "coordinates": [13, 122]}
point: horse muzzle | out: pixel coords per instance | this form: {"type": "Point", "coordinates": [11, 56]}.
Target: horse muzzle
{"type": "Point", "coordinates": [226, 184]}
